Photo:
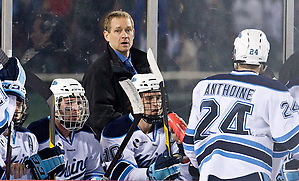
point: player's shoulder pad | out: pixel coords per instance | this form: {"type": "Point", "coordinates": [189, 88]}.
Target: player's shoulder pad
{"type": "Point", "coordinates": [118, 127]}
{"type": "Point", "coordinates": [252, 79]}
{"type": "Point", "coordinates": [22, 129]}
{"type": "Point", "coordinates": [85, 128]}
{"type": "Point", "coordinates": [40, 129]}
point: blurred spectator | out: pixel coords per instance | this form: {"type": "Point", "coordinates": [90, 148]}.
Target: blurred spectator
{"type": "Point", "coordinates": [265, 15]}
{"type": "Point", "coordinates": [23, 17]}
{"type": "Point", "coordinates": [57, 7]}
{"type": "Point", "coordinates": [86, 19]}
{"type": "Point", "coordinates": [48, 53]}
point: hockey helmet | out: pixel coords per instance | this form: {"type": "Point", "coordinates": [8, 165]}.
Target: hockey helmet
{"type": "Point", "coordinates": [149, 90]}
{"type": "Point", "coordinates": [71, 105]}
{"type": "Point", "coordinates": [251, 47]}
{"type": "Point", "coordinates": [145, 82]}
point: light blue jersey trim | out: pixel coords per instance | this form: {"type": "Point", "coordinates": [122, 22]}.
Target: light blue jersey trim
{"type": "Point", "coordinates": [236, 156]}
{"type": "Point", "coordinates": [287, 136]}
{"type": "Point", "coordinates": [242, 141]}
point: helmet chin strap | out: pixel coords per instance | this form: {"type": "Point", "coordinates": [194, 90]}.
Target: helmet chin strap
{"type": "Point", "coordinates": [150, 120]}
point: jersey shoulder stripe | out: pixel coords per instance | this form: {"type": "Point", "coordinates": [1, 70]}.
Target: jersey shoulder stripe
{"type": "Point", "coordinates": [40, 129]}
{"type": "Point", "coordinates": [252, 79]}
{"type": "Point", "coordinates": [118, 127]}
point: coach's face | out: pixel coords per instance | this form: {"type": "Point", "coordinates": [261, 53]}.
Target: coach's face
{"type": "Point", "coordinates": [121, 35]}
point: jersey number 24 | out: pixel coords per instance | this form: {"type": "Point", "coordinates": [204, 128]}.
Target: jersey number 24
{"type": "Point", "coordinates": [235, 116]}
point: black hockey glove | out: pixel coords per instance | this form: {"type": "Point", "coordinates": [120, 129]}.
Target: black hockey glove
{"type": "Point", "coordinates": [165, 168]}
{"type": "Point", "coordinates": [193, 172]}
{"type": "Point", "coordinates": [13, 70]}
{"type": "Point", "coordinates": [289, 171]}
{"type": "Point", "coordinates": [45, 162]}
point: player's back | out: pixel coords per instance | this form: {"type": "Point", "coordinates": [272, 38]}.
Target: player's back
{"type": "Point", "coordinates": [233, 122]}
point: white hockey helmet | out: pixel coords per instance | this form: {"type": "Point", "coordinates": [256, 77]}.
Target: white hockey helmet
{"type": "Point", "coordinates": [145, 82]}
{"type": "Point", "coordinates": [73, 91]}
{"type": "Point", "coordinates": [251, 47]}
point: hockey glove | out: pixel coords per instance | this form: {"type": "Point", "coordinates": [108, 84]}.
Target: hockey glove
{"type": "Point", "coordinates": [13, 70]}
{"type": "Point", "coordinates": [166, 167]}
{"type": "Point", "coordinates": [16, 87]}
{"type": "Point", "coordinates": [289, 171]}
{"type": "Point", "coordinates": [45, 162]}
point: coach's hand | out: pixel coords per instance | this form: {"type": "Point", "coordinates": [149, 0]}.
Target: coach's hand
{"type": "Point", "coordinates": [45, 162]}
{"type": "Point", "coordinates": [166, 167]}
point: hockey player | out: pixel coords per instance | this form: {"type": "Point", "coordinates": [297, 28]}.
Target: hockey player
{"type": "Point", "coordinates": [236, 118]}
{"type": "Point", "coordinates": [72, 135]}
{"type": "Point", "coordinates": [24, 143]}
{"type": "Point", "coordinates": [12, 71]}
{"type": "Point", "coordinates": [290, 167]}
{"type": "Point", "coordinates": [144, 156]}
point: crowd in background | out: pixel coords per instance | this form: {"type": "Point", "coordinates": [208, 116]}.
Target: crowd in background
{"type": "Point", "coordinates": [194, 35]}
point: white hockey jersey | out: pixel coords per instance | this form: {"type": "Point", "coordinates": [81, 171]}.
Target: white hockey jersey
{"type": "Point", "coordinates": [235, 120]}
{"type": "Point", "coordinates": [7, 109]}
{"type": "Point", "coordinates": [82, 151]}
{"type": "Point", "coordinates": [24, 145]}
{"type": "Point", "coordinates": [141, 151]}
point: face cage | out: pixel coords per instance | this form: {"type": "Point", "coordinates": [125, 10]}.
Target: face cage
{"type": "Point", "coordinates": [19, 122]}
{"type": "Point", "coordinates": [73, 115]}
{"type": "Point", "coordinates": [149, 107]}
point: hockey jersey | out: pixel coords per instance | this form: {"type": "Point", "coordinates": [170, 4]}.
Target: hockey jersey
{"type": "Point", "coordinates": [7, 109]}
{"type": "Point", "coordinates": [235, 120]}
{"type": "Point", "coordinates": [141, 151]}
{"type": "Point", "coordinates": [82, 152]}
{"type": "Point", "coordinates": [24, 145]}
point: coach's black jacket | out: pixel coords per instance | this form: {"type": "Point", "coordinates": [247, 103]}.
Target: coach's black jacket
{"type": "Point", "coordinates": [107, 100]}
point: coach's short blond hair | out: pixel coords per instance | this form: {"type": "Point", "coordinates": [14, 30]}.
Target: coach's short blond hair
{"type": "Point", "coordinates": [116, 14]}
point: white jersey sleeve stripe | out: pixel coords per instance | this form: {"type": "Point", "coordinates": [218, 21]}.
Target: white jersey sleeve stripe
{"type": "Point", "coordinates": [233, 139]}
{"type": "Point", "coordinates": [121, 171]}
{"type": "Point", "coordinates": [236, 156]}
{"type": "Point", "coordinates": [290, 144]}
{"type": "Point", "coordinates": [288, 136]}
{"type": "Point", "coordinates": [236, 151]}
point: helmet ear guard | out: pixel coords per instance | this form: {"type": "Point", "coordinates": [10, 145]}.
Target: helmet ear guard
{"type": "Point", "coordinates": [251, 47]}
